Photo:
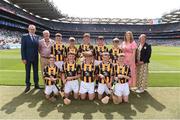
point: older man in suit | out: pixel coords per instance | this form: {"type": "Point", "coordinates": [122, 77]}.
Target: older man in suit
{"type": "Point", "coordinates": [29, 56]}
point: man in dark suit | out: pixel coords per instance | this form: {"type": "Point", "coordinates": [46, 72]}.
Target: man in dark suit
{"type": "Point", "coordinates": [29, 55]}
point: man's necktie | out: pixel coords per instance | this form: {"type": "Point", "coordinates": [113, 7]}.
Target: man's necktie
{"type": "Point", "coordinates": [33, 38]}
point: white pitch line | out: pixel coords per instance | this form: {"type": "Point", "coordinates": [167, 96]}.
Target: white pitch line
{"type": "Point", "coordinates": [20, 71]}
{"type": "Point", "coordinates": [162, 71]}
{"type": "Point", "coordinates": [159, 71]}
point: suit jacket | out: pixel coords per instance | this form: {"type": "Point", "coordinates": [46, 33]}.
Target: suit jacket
{"type": "Point", "coordinates": [145, 53]}
{"type": "Point", "coordinates": [29, 48]}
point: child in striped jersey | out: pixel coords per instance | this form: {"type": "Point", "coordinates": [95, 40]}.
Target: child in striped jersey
{"type": "Point", "coordinates": [105, 76]}
{"type": "Point", "coordinates": [51, 77]}
{"type": "Point", "coordinates": [59, 51]}
{"type": "Point", "coordinates": [87, 77]}
{"type": "Point", "coordinates": [122, 74]}
{"type": "Point", "coordinates": [71, 74]}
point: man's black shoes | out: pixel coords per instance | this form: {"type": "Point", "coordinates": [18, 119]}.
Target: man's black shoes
{"type": "Point", "coordinates": [37, 87]}
{"type": "Point", "coordinates": [27, 89]}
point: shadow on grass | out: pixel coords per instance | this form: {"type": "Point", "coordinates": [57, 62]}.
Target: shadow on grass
{"type": "Point", "coordinates": [46, 107]}
{"type": "Point", "coordinates": [138, 103]}
{"type": "Point", "coordinates": [89, 107]}
{"type": "Point", "coordinates": [143, 100]}
{"type": "Point", "coordinates": [79, 106]}
{"type": "Point", "coordinates": [32, 97]}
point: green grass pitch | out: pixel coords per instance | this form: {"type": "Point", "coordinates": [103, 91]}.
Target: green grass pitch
{"type": "Point", "coordinates": [164, 67]}
{"type": "Point", "coordinates": [160, 101]}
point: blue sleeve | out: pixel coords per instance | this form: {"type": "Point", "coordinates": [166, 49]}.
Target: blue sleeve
{"type": "Point", "coordinates": [23, 48]}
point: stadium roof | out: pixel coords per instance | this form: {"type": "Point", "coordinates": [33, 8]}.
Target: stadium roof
{"type": "Point", "coordinates": [106, 20]}
{"type": "Point", "coordinates": [47, 10]}
{"type": "Point", "coordinates": [171, 17]}
{"type": "Point", "coordinates": [42, 8]}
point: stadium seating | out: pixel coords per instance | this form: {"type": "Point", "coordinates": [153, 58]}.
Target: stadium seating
{"type": "Point", "coordinates": [12, 18]}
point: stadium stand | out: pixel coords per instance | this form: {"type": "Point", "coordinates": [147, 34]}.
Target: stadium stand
{"type": "Point", "coordinates": [9, 39]}
{"type": "Point", "coordinates": [13, 18]}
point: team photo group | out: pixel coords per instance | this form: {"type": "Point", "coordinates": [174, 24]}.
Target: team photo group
{"type": "Point", "coordinates": [100, 71]}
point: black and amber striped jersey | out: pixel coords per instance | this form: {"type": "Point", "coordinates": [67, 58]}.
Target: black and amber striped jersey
{"type": "Point", "coordinates": [106, 70]}
{"type": "Point", "coordinates": [88, 72]}
{"type": "Point", "coordinates": [70, 69]}
{"type": "Point", "coordinates": [114, 54]}
{"type": "Point", "coordinates": [98, 50]}
{"type": "Point", "coordinates": [51, 71]}
{"type": "Point", "coordinates": [59, 51]}
{"type": "Point", "coordinates": [72, 50]}
{"type": "Point", "coordinates": [84, 48]}
{"type": "Point", "coordinates": [122, 70]}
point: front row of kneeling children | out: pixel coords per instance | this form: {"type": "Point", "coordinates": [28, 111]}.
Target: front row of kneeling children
{"type": "Point", "coordinates": [112, 79]}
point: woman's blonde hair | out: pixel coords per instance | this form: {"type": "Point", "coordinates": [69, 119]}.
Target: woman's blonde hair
{"type": "Point", "coordinates": [131, 36]}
